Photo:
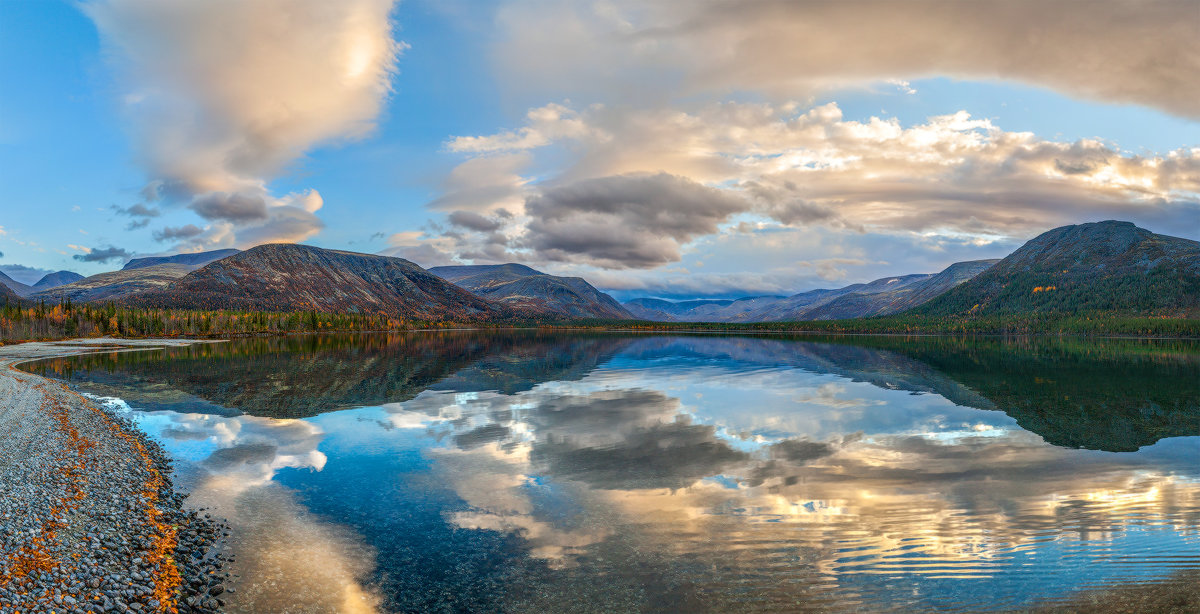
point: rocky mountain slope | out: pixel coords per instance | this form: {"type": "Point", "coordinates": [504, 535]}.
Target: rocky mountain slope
{"type": "Point", "coordinates": [114, 285]}
{"type": "Point", "coordinates": [54, 280]}
{"type": "Point", "coordinates": [15, 286]}
{"type": "Point", "coordinates": [1104, 266]}
{"type": "Point", "coordinates": [287, 277]}
{"type": "Point", "coordinates": [196, 260]}
{"type": "Point", "coordinates": [534, 291]}
{"type": "Point", "coordinates": [7, 295]}
{"type": "Point", "coordinates": [823, 304]}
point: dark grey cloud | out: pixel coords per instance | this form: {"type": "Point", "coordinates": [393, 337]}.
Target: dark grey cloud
{"type": "Point", "coordinates": [473, 221]}
{"type": "Point", "coordinates": [236, 207]}
{"type": "Point", "coordinates": [104, 254]}
{"type": "Point", "coordinates": [800, 450]}
{"type": "Point", "coordinates": [181, 233]}
{"type": "Point", "coordinates": [671, 455]}
{"type": "Point", "coordinates": [625, 221]}
{"type": "Point", "coordinates": [1078, 167]}
{"type": "Point", "coordinates": [623, 439]}
{"type": "Point", "coordinates": [180, 434]}
{"type": "Point", "coordinates": [785, 203]}
{"type": "Point", "coordinates": [140, 213]}
{"type": "Point", "coordinates": [137, 210]}
{"type": "Point", "coordinates": [482, 436]}
{"type": "Point", "coordinates": [242, 454]}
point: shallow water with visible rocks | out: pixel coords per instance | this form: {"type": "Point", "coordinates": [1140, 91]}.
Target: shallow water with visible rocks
{"type": "Point", "coordinates": [608, 472]}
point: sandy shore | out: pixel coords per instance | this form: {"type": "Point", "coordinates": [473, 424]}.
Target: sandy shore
{"type": "Point", "coordinates": [89, 520]}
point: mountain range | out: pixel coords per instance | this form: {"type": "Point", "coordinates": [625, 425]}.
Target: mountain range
{"type": "Point", "coordinates": [884, 296]}
{"type": "Point", "coordinates": [49, 280]}
{"type": "Point", "coordinates": [7, 295]}
{"type": "Point", "coordinates": [533, 291]}
{"type": "Point", "coordinates": [14, 286]}
{"type": "Point", "coordinates": [138, 275]}
{"type": "Point", "coordinates": [290, 277]}
{"type": "Point", "coordinates": [1096, 267]}
{"type": "Point", "coordinates": [114, 285]}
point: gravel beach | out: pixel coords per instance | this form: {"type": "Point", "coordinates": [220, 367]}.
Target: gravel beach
{"type": "Point", "coordinates": [89, 520]}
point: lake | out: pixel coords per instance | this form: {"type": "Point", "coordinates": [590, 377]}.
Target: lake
{"type": "Point", "coordinates": [555, 472]}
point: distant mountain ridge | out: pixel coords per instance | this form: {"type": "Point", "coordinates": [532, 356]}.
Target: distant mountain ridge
{"type": "Point", "coordinates": [137, 276]}
{"type": "Point", "coordinates": [884, 296]}
{"type": "Point", "coordinates": [15, 286]}
{"type": "Point", "coordinates": [198, 259]}
{"type": "Point", "coordinates": [290, 277]}
{"type": "Point", "coordinates": [696, 310]}
{"type": "Point", "coordinates": [534, 291]}
{"type": "Point", "coordinates": [59, 278]}
{"type": "Point", "coordinates": [115, 285]}
{"type": "Point", "coordinates": [7, 295]}
{"type": "Point", "coordinates": [894, 295]}
{"type": "Point", "coordinates": [1106, 266]}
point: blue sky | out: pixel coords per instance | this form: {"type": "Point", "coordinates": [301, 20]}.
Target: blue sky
{"type": "Point", "coordinates": [658, 149]}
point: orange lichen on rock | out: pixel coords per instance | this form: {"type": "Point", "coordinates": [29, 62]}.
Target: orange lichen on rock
{"type": "Point", "coordinates": [34, 557]}
{"type": "Point", "coordinates": [167, 580]}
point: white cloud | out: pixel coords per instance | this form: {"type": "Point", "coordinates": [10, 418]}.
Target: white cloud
{"type": "Point", "coordinates": [544, 125]}
{"type": "Point", "coordinates": [274, 536]}
{"type": "Point", "coordinates": [952, 177]}
{"type": "Point", "coordinates": [223, 95]}
{"type": "Point", "coordinates": [1107, 50]}
{"type": "Point", "coordinates": [485, 183]}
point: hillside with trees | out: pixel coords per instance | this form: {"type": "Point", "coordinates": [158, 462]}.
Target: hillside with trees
{"type": "Point", "coordinates": [1105, 267]}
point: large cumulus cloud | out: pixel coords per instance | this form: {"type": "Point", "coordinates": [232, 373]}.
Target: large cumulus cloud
{"type": "Point", "coordinates": [223, 95]}
{"type": "Point", "coordinates": [640, 186]}
{"type": "Point", "coordinates": [1107, 50]}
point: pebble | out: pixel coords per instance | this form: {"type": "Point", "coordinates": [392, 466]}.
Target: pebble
{"type": "Point", "coordinates": [72, 490]}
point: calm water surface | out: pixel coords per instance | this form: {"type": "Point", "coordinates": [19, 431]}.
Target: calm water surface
{"type": "Point", "coordinates": [467, 471]}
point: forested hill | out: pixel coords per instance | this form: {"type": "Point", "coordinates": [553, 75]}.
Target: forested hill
{"type": "Point", "coordinates": [1113, 267]}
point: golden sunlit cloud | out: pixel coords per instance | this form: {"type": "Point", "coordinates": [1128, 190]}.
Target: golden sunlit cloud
{"type": "Point", "coordinates": [223, 95]}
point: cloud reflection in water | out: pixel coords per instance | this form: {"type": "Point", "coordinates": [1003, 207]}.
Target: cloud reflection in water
{"type": "Point", "coordinates": [718, 474]}
{"type": "Point", "coordinates": [289, 559]}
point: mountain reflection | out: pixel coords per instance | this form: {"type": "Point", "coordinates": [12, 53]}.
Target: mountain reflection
{"type": "Point", "coordinates": [301, 376]}
{"type": "Point", "coordinates": [1116, 396]}
{"type": "Point", "coordinates": [701, 473]}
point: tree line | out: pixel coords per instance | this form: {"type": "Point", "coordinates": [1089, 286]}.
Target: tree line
{"type": "Point", "coordinates": [25, 321]}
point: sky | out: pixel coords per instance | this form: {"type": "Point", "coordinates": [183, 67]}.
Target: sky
{"type": "Point", "coordinates": [700, 148]}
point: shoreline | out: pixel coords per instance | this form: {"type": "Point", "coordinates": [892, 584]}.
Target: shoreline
{"type": "Point", "coordinates": [89, 517]}
{"type": "Point", "coordinates": [135, 343]}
